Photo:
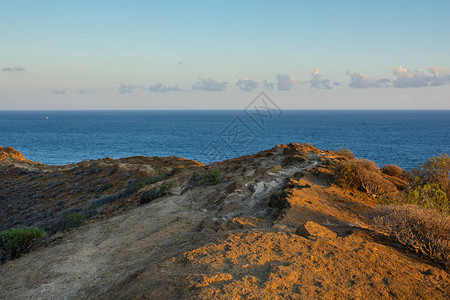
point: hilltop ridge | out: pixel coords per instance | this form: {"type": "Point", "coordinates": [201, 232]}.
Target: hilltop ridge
{"type": "Point", "coordinates": [272, 225]}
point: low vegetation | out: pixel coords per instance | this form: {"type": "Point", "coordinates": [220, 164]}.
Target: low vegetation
{"type": "Point", "coordinates": [214, 177]}
{"type": "Point", "coordinates": [155, 193]}
{"type": "Point", "coordinates": [17, 241]}
{"type": "Point", "coordinates": [429, 196]}
{"type": "Point", "coordinates": [420, 216]}
{"type": "Point", "coordinates": [71, 220]}
{"type": "Point", "coordinates": [147, 181]}
{"type": "Point", "coordinates": [421, 229]}
{"type": "Point", "coordinates": [364, 175]}
{"type": "Point", "coordinates": [344, 152]}
{"type": "Point", "coordinates": [394, 171]}
{"type": "Point", "coordinates": [428, 185]}
{"type": "Point", "coordinates": [435, 171]}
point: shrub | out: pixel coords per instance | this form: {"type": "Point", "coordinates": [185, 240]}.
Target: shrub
{"type": "Point", "coordinates": [365, 176]}
{"type": "Point", "coordinates": [176, 170]}
{"type": "Point", "coordinates": [70, 219]}
{"type": "Point", "coordinates": [74, 219]}
{"type": "Point", "coordinates": [344, 152]}
{"type": "Point", "coordinates": [146, 181]}
{"type": "Point", "coordinates": [375, 185]}
{"type": "Point", "coordinates": [348, 172]}
{"type": "Point", "coordinates": [421, 229]}
{"type": "Point", "coordinates": [392, 170]}
{"type": "Point", "coordinates": [103, 200]}
{"type": "Point", "coordinates": [214, 177]}
{"type": "Point", "coordinates": [435, 170]}
{"type": "Point", "coordinates": [18, 241]}
{"type": "Point", "coordinates": [155, 193]}
{"type": "Point", "coordinates": [429, 196]}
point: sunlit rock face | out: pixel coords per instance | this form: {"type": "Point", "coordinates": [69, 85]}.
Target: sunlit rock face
{"type": "Point", "coordinates": [10, 153]}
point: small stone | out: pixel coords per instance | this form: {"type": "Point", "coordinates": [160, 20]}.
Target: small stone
{"type": "Point", "coordinates": [313, 229]}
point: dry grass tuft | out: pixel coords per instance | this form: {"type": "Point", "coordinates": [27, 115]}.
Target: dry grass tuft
{"type": "Point", "coordinates": [421, 229]}
{"type": "Point", "coordinates": [392, 170]}
{"type": "Point", "coordinates": [364, 175]}
{"type": "Point", "coordinates": [344, 152]}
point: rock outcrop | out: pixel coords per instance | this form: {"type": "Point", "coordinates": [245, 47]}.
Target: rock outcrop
{"type": "Point", "coordinates": [273, 227]}
{"type": "Point", "coordinates": [10, 154]}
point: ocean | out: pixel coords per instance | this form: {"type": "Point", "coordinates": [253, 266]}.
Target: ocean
{"type": "Point", "coordinates": [404, 138]}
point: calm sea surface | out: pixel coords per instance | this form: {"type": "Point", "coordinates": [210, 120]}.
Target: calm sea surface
{"type": "Point", "coordinates": [405, 138]}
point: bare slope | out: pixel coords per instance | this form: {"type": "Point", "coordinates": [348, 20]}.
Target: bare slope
{"type": "Point", "coordinates": [274, 228]}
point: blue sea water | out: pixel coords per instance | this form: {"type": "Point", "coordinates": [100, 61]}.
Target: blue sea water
{"type": "Point", "coordinates": [405, 138]}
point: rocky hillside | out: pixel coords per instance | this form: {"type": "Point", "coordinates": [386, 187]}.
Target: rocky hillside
{"type": "Point", "coordinates": [267, 226]}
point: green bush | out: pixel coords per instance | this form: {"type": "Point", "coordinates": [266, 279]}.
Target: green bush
{"type": "Point", "coordinates": [435, 171]}
{"type": "Point", "coordinates": [421, 229]}
{"type": "Point", "coordinates": [75, 219]}
{"type": "Point", "coordinates": [147, 181]}
{"type": "Point", "coordinates": [17, 241]}
{"type": "Point", "coordinates": [430, 196]}
{"type": "Point", "coordinates": [213, 177]}
{"type": "Point", "coordinates": [155, 193]}
{"type": "Point", "coordinates": [429, 185]}
{"type": "Point", "coordinates": [70, 220]}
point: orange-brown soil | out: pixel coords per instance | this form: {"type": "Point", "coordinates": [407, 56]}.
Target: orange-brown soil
{"type": "Point", "coordinates": [276, 227]}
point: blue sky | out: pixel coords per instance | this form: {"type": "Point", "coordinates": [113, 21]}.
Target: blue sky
{"type": "Point", "coordinates": [219, 55]}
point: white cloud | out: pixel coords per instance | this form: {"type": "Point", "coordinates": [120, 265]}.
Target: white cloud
{"type": "Point", "coordinates": [161, 88]}
{"type": "Point", "coordinates": [246, 84]}
{"type": "Point", "coordinates": [91, 90]}
{"type": "Point", "coordinates": [318, 83]}
{"type": "Point", "coordinates": [361, 81]}
{"type": "Point", "coordinates": [406, 78]}
{"type": "Point", "coordinates": [441, 76]}
{"type": "Point", "coordinates": [58, 92]}
{"type": "Point", "coordinates": [128, 88]}
{"type": "Point", "coordinates": [286, 82]}
{"type": "Point", "coordinates": [13, 69]}
{"type": "Point", "coordinates": [210, 85]}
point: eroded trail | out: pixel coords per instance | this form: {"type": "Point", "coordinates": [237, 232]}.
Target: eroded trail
{"type": "Point", "coordinates": [273, 229]}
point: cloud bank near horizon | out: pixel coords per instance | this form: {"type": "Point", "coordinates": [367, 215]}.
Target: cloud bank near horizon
{"type": "Point", "coordinates": [318, 83]}
{"type": "Point", "coordinates": [246, 84]}
{"type": "Point", "coordinates": [210, 85]}
{"type": "Point", "coordinates": [359, 80]}
{"type": "Point", "coordinates": [13, 69]}
{"type": "Point", "coordinates": [286, 82]}
{"type": "Point", "coordinates": [404, 78]}
{"type": "Point", "coordinates": [161, 88]}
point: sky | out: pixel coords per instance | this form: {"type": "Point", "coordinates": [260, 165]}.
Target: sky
{"type": "Point", "coordinates": [222, 54]}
